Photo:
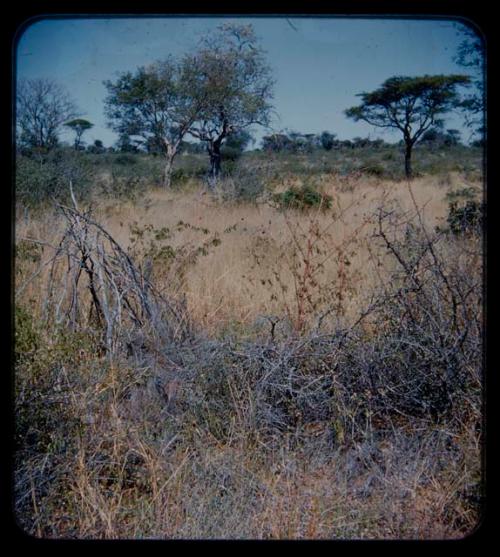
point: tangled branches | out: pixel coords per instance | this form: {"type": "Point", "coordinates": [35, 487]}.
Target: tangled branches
{"type": "Point", "coordinates": [88, 260]}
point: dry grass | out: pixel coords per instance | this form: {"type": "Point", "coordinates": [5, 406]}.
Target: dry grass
{"type": "Point", "coordinates": [104, 452]}
{"type": "Point", "coordinates": [236, 282]}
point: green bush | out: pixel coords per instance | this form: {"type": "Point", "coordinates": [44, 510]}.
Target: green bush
{"type": "Point", "coordinates": [125, 159]}
{"type": "Point", "coordinates": [466, 218]}
{"type": "Point", "coordinates": [302, 198]}
{"type": "Point", "coordinates": [47, 177]}
{"type": "Point", "coordinates": [374, 170]}
{"type": "Point", "coordinates": [179, 177]}
{"type": "Point", "coordinates": [26, 337]}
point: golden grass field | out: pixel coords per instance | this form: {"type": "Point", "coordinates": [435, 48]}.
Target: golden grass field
{"type": "Point", "coordinates": [233, 284]}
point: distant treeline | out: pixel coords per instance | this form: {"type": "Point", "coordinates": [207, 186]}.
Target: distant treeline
{"type": "Point", "coordinates": [294, 142]}
{"type": "Point", "coordinates": [290, 142]}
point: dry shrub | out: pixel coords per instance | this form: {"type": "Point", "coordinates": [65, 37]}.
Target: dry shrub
{"type": "Point", "coordinates": [359, 427]}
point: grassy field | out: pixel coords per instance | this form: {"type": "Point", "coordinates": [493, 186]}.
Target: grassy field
{"type": "Point", "coordinates": [203, 365]}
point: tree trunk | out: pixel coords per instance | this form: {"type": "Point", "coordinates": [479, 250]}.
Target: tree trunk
{"type": "Point", "coordinates": [408, 168]}
{"type": "Point", "coordinates": [170, 153]}
{"type": "Point", "coordinates": [215, 163]}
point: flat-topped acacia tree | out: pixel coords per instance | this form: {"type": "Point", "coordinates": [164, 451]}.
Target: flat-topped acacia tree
{"type": "Point", "coordinates": [233, 87]}
{"type": "Point", "coordinates": [410, 104]}
{"type": "Point", "coordinates": [79, 126]}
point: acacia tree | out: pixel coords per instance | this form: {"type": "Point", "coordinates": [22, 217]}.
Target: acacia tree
{"type": "Point", "coordinates": [156, 104]}
{"type": "Point", "coordinates": [79, 126]}
{"type": "Point", "coordinates": [43, 106]}
{"type": "Point", "coordinates": [410, 104]}
{"type": "Point", "coordinates": [233, 87]}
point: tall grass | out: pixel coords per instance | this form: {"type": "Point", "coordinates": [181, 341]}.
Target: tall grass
{"type": "Point", "coordinates": [328, 384]}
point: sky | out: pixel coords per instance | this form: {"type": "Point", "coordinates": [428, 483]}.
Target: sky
{"type": "Point", "coordinates": [320, 64]}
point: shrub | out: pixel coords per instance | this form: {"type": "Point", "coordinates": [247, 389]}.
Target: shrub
{"type": "Point", "coordinates": [179, 177]}
{"type": "Point", "coordinates": [124, 159]}
{"type": "Point", "coordinates": [244, 182]}
{"type": "Point", "coordinates": [374, 170]}
{"type": "Point", "coordinates": [302, 198]}
{"type": "Point", "coordinates": [46, 177]}
{"type": "Point", "coordinates": [466, 218]}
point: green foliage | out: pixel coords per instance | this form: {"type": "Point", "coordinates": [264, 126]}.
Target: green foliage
{"type": "Point", "coordinates": [79, 126]}
{"type": "Point", "coordinates": [463, 193]}
{"type": "Point", "coordinates": [245, 182]}
{"type": "Point", "coordinates": [406, 102]}
{"type": "Point", "coordinates": [179, 177]}
{"type": "Point", "coordinates": [413, 105]}
{"type": "Point", "coordinates": [375, 169]}
{"type": "Point", "coordinates": [125, 159]}
{"type": "Point", "coordinates": [235, 144]}
{"type": "Point", "coordinates": [26, 337]}
{"type": "Point", "coordinates": [46, 177]}
{"type": "Point", "coordinates": [463, 219]}
{"type": "Point", "coordinates": [327, 140]}
{"type": "Point", "coordinates": [303, 197]}
{"type": "Point", "coordinates": [97, 148]}
{"type": "Point", "coordinates": [233, 89]}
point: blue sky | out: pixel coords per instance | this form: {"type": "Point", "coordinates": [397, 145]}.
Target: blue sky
{"type": "Point", "coordinates": [320, 64]}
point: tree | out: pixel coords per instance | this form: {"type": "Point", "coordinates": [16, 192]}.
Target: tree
{"type": "Point", "coordinates": [235, 145]}
{"type": "Point", "coordinates": [97, 148]}
{"type": "Point", "coordinates": [234, 86]}
{"type": "Point", "coordinates": [79, 126]}
{"type": "Point", "coordinates": [327, 140]}
{"type": "Point", "coordinates": [436, 137]}
{"type": "Point", "coordinates": [156, 104]}
{"type": "Point", "coordinates": [471, 55]}
{"type": "Point", "coordinates": [126, 145]}
{"type": "Point", "coordinates": [410, 104]}
{"type": "Point", "coordinates": [42, 107]}
{"type": "Point", "coordinates": [276, 143]}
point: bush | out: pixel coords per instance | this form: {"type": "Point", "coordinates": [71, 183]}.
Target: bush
{"type": "Point", "coordinates": [466, 218]}
{"type": "Point", "coordinates": [47, 177]}
{"type": "Point", "coordinates": [124, 159]}
{"type": "Point", "coordinates": [179, 177]}
{"type": "Point", "coordinates": [244, 182]}
{"type": "Point", "coordinates": [304, 197]}
{"type": "Point", "coordinates": [374, 170]}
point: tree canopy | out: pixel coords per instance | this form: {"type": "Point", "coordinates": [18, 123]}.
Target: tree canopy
{"type": "Point", "coordinates": [471, 55]}
{"type": "Point", "coordinates": [43, 106]}
{"type": "Point", "coordinates": [79, 126]}
{"type": "Point", "coordinates": [233, 86]}
{"type": "Point", "coordinates": [410, 104]}
{"type": "Point", "coordinates": [155, 103]}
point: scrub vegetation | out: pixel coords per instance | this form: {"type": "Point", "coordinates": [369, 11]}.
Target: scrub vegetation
{"type": "Point", "coordinates": [283, 342]}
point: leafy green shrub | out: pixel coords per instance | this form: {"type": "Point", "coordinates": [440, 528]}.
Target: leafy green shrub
{"type": "Point", "coordinates": [463, 193]}
{"type": "Point", "coordinates": [374, 170]}
{"type": "Point", "coordinates": [302, 198]}
{"type": "Point", "coordinates": [179, 177]}
{"type": "Point", "coordinates": [389, 156]}
{"type": "Point", "coordinates": [229, 153]}
{"type": "Point", "coordinates": [466, 218]}
{"type": "Point", "coordinates": [124, 159]}
{"type": "Point", "coordinates": [26, 336]}
{"type": "Point", "coordinates": [42, 178]}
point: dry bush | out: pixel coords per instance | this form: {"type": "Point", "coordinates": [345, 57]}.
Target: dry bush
{"type": "Point", "coordinates": [328, 421]}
